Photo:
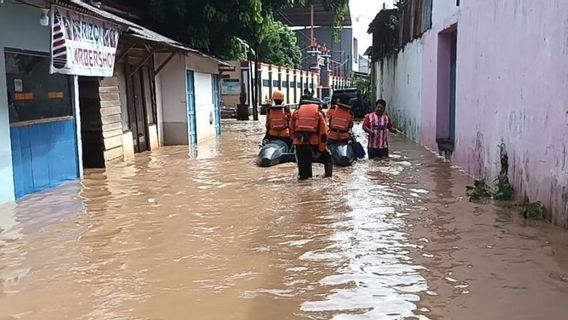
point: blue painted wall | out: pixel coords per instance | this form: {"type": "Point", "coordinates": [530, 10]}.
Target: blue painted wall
{"type": "Point", "coordinates": [20, 29]}
{"type": "Point", "coordinates": [44, 156]}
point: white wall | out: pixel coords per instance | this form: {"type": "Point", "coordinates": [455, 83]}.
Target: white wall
{"type": "Point", "coordinates": [204, 109]}
{"type": "Point", "coordinates": [172, 100]}
{"type": "Point", "coordinates": [172, 107]}
{"type": "Point", "coordinates": [399, 82]}
{"type": "Point", "coordinates": [6, 173]}
{"type": "Point", "coordinates": [442, 12]}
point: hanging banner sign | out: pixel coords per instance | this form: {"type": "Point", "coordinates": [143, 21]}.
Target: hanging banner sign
{"type": "Point", "coordinates": [82, 45]}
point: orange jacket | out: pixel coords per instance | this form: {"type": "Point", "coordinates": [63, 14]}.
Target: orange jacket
{"type": "Point", "coordinates": [330, 112]}
{"type": "Point", "coordinates": [278, 122]}
{"type": "Point", "coordinates": [308, 119]}
{"type": "Point", "coordinates": [340, 124]}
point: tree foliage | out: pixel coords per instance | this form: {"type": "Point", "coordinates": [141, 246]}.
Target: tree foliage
{"type": "Point", "coordinates": [214, 26]}
{"type": "Point", "coordinates": [279, 45]}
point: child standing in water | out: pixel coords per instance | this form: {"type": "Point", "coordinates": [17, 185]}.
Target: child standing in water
{"type": "Point", "coordinates": [376, 125]}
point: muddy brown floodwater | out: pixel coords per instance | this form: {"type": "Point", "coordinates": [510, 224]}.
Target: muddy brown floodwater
{"type": "Point", "coordinates": [217, 238]}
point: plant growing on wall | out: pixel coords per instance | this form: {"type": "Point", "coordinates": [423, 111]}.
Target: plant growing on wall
{"type": "Point", "coordinates": [534, 210]}
{"type": "Point", "coordinates": [480, 191]}
{"type": "Point", "coordinates": [386, 33]}
{"type": "Point", "coordinates": [504, 187]}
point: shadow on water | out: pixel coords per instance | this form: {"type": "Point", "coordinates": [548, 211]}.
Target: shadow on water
{"type": "Point", "coordinates": [205, 234]}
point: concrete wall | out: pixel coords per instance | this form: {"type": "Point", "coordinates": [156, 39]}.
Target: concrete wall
{"type": "Point", "coordinates": [172, 100]}
{"type": "Point", "coordinates": [399, 82]}
{"type": "Point", "coordinates": [204, 108]}
{"type": "Point", "coordinates": [444, 15]}
{"type": "Point", "coordinates": [510, 87]}
{"type": "Point", "coordinates": [24, 19]}
{"type": "Point", "coordinates": [173, 103]}
{"type": "Point", "coordinates": [6, 172]}
{"type": "Point", "coordinates": [204, 68]}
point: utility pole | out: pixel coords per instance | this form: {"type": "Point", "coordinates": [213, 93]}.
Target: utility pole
{"type": "Point", "coordinates": [257, 84]}
{"type": "Point", "coordinates": [312, 24]}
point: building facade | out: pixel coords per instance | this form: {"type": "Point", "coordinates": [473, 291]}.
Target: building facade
{"type": "Point", "coordinates": [66, 106]}
{"type": "Point", "coordinates": [291, 81]}
{"type": "Point", "coordinates": [475, 86]}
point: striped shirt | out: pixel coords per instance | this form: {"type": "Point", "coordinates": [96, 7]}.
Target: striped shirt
{"type": "Point", "coordinates": [377, 126]}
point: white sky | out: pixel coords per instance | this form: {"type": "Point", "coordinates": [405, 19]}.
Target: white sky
{"type": "Point", "coordinates": [362, 13]}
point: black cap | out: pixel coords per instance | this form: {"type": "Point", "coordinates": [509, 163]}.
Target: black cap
{"type": "Point", "coordinates": [344, 100]}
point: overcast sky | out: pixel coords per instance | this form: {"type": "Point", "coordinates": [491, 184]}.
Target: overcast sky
{"type": "Point", "coordinates": [362, 13]}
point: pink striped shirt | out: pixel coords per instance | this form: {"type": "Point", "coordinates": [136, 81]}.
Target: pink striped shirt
{"type": "Point", "coordinates": [378, 133]}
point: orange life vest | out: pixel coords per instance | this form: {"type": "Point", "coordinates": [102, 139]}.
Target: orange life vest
{"type": "Point", "coordinates": [278, 122]}
{"type": "Point", "coordinates": [341, 122]}
{"type": "Point", "coordinates": [308, 119]}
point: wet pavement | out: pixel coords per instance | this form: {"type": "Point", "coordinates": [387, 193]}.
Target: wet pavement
{"type": "Point", "coordinates": [217, 238]}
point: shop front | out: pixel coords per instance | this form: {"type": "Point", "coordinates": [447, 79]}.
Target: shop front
{"type": "Point", "coordinates": [38, 117]}
{"type": "Point", "coordinates": [43, 131]}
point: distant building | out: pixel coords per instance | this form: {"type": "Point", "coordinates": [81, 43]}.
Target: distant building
{"type": "Point", "coordinates": [322, 53]}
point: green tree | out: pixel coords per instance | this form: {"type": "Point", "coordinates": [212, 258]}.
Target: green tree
{"type": "Point", "coordinates": [279, 45]}
{"type": "Point", "coordinates": [213, 26]}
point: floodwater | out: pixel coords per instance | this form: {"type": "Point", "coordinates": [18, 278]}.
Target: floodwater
{"type": "Point", "coordinates": [217, 238]}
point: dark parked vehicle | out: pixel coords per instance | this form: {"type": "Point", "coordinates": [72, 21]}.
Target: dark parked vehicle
{"type": "Point", "coordinates": [356, 101]}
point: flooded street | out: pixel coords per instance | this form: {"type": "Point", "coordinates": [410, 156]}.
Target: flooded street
{"type": "Point", "coordinates": [217, 238]}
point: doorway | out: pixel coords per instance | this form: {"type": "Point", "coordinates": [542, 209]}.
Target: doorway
{"type": "Point", "coordinates": [91, 123]}
{"type": "Point", "coordinates": [191, 116]}
{"type": "Point", "coordinates": [217, 103]}
{"type": "Point", "coordinates": [137, 110]}
{"type": "Point", "coordinates": [446, 90]}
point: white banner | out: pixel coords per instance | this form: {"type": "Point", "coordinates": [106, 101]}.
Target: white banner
{"type": "Point", "coordinates": [82, 45]}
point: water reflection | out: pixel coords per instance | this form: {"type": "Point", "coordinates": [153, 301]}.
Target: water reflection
{"type": "Point", "coordinates": [207, 235]}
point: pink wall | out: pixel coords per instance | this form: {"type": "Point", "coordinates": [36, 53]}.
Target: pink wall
{"type": "Point", "coordinates": [444, 16]}
{"type": "Point", "coordinates": [429, 89]}
{"type": "Point", "coordinates": [512, 86]}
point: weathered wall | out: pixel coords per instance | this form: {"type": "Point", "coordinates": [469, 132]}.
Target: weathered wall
{"type": "Point", "coordinates": [111, 119]}
{"type": "Point", "coordinates": [444, 15]}
{"type": "Point", "coordinates": [36, 38]}
{"type": "Point", "coordinates": [512, 87]}
{"type": "Point", "coordinates": [172, 108]}
{"type": "Point", "coordinates": [399, 82]}
{"type": "Point", "coordinates": [173, 103]}
{"type": "Point", "coordinates": [6, 172]}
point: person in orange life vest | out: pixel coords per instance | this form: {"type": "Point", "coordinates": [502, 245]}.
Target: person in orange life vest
{"type": "Point", "coordinates": [377, 124]}
{"type": "Point", "coordinates": [331, 110]}
{"type": "Point", "coordinates": [341, 122]}
{"type": "Point", "coordinates": [309, 132]}
{"type": "Point", "coordinates": [278, 120]}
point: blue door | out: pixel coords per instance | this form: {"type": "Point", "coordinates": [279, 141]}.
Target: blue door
{"type": "Point", "coordinates": [191, 118]}
{"type": "Point", "coordinates": [217, 103]}
{"type": "Point", "coordinates": [44, 155]}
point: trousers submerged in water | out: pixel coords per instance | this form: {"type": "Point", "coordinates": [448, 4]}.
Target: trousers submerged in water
{"type": "Point", "coordinates": [305, 155]}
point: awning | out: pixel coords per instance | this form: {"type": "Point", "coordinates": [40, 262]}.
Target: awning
{"type": "Point", "coordinates": [138, 31]}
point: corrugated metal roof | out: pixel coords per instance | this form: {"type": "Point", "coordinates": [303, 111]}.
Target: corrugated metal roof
{"type": "Point", "coordinates": [140, 32]}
